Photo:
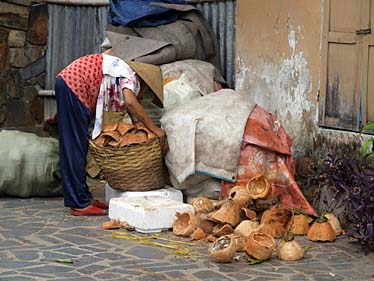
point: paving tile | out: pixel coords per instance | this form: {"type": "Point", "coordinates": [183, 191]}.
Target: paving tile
{"type": "Point", "coordinates": [16, 278]}
{"type": "Point", "coordinates": [92, 269]}
{"type": "Point", "coordinates": [26, 254]}
{"type": "Point", "coordinates": [300, 277]}
{"type": "Point", "coordinates": [210, 275]}
{"type": "Point", "coordinates": [147, 252]}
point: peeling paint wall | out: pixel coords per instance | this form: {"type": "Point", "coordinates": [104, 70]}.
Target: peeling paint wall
{"type": "Point", "coordinates": [278, 62]}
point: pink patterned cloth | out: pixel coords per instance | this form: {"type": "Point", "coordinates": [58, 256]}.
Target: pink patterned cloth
{"type": "Point", "coordinates": [83, 76]}
{"type": "Point", "coordinates": [266, 150]}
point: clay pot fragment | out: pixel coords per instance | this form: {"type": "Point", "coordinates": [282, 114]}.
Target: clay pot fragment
{"type": "Point", "coordinates": [299, 224]}
{"type": "Point", "coordinates": [334, 221]}
{"type": "Point", "coordinates": [133, 138]}
{"type": "Point", "coordinates": [274, 229]}
{"type": "Point", "coordinates": [113, 143]}
{"type": "Point", "coordinates": [185, 224]}
{"type": "Point", "coordinates": [221, 230]}
{"type": "Point", "coordinates": [205, 224]}
{"type": "Point", "coordinates": [247, 213]}
{"type": "Point", "coordinates": [278, 213]}
{"type": "Point", "coordinates": [211, 238]}
{"type": "Point", "coordinates": [114, 135]}
{"type": "Point", "coordinates": [202, 205]}
{"type": "Point", "coordinates": [101, 141]}
{"type": "Point", "coordinates": [321, 230]}
{"type": "Point", "coordinates": [123, 128]}
{"type": "Point", "coordinates": [260, 245]}
{"type": "Point", "coordinates": [227, 213]}
{"type": "Point", "coordinates": [110, 127]}
{"type": "Point", "coordinates": [289, 249]}
{"type": "Point", "coordinates": [259, 187]}
{"type": "Point", "coordinates": [198, 234]}
{"type": "Point", "coordinates": [240, 242]}
{"type": "Point", "coordinates": [246, 227]}
{"type": "Point", "coordinates": [223, 249]}
{"type": "Point", "coordinates": [240, 195]}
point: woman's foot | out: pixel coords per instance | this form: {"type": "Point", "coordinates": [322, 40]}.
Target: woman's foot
{"type": "Point", "coordinates": [89, 211]}
{"type": "Point", "coordinates": [99, 204]}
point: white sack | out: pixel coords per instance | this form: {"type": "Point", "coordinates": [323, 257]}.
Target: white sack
{"type": "Point", "coordinates": [29, 165]}
{"type": "Point", "coordinates": [205, 135]}
{"type": "Point", "coordinates": [193, 78]}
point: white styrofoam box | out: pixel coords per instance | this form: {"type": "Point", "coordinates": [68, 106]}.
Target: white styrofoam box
{"type": "Point", "coordinates": [147, 214]}
{"type": "Point", "coordinates": [167, 192]}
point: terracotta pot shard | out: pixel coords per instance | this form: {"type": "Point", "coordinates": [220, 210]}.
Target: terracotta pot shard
{"type": "Point", "coordinates": [260, 245]}
{"type": "Point", "coordinates": [240, 195]}
{"type": "Point", "coordinates": [110, 127]}
{"type": "Point", "coordinates": [123, 128]}
{"type": "Point", "coordinates": [259, 187]}
{"type": "Point", "coordinates": [299, 224]}
{"type": "Point", "coordinates": [220, 230]}
{"type": "Point", "coordinates": [229, 212]}
{"type": "Point", "coordinates": [247, 213]}
{"type": "Point", "coordinates": [274, 229]}
{"type": "Point", "coordinates": [278, 213]}
{"type": "Point", "coordinates": [321, 230]}
{"type": "Point", "coordinates": [114, 135]}
{"type": "Point", "coordinates": [202, 205]}
{"type": "Point", "coordinates": [246, 227]}
{"type": "Point", "coordinates": [333, 220]}
{"type": "Point", "coordinates": [198, 234]}
{"type": "Point", "coordinates": [185, 224]}
{"type": "Point", "coordinates": [289, 249]}
{"type": "Point", "coordinates": [223, 249]}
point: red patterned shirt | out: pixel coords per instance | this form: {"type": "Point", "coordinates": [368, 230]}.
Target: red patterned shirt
{"type": "Point", "coordinates": [84, 76]}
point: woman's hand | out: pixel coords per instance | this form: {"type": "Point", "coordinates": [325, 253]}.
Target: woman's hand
{"type": "Point", "coordinates": [161, 134]}
{"type": "Point", "coordinates": [137, 110]}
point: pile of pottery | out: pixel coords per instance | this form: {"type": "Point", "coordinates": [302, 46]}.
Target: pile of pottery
{"type": "Point", "coordinates": [238, 224]}
{"type": "Point", "coordinates": [122, 134]}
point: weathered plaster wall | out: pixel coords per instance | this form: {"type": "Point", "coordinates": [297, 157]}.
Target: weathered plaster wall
{"type": "Point", "coordinates": [278, 62]}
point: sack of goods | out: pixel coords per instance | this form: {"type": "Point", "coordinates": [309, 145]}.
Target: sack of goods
{"type": "Point", "coordinates": [29, 165]}
{"type": "Point", "coordinates": [130, 157]}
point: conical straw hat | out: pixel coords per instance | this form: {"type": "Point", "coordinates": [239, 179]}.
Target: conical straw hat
{"type": "Point", "coordinates": [151, 75]}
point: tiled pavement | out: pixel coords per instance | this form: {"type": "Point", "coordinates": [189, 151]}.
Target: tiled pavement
{"type": "Point", "coordinates": [35, 233]}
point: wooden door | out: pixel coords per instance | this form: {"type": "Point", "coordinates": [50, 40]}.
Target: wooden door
{"type": "Point", "coordinates": [348, 59]}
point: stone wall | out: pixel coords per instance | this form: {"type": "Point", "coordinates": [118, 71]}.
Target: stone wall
{"type": "Point", "coordinates": [23, 39]}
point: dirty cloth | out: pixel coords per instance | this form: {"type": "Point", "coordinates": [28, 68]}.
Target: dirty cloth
{"type": "Point", "coordinates": [190, 37]}
{"type": "Point", "coordinates": [205, 135]}
{"type": "Point", "coordinates": [188, 79]}
{"type": "Point", "coordinates": [266, 149]}
{"type": "Point", "coordinates": [141, 13]}
{"type": "Point", "coordinates": [29, 165]}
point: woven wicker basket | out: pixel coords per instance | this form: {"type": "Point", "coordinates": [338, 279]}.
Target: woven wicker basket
{"type": "Point", "coordinates": [136, 167]}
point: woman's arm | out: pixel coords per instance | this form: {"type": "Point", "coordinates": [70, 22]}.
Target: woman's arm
{"type": "Point", "coordinates": [137, 110]}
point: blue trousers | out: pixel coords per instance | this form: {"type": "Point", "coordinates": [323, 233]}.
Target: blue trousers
{"type": "Point", "coordinates": [73, 124]}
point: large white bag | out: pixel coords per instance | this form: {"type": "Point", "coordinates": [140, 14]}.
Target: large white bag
{"type": "Point", "coordinates": [205, 135]}
{"type": "Point", "coordinates": [29, 165]}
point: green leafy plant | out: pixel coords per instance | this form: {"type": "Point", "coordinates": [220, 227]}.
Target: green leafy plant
{"type": "Point", "coordinates": [367, 148]}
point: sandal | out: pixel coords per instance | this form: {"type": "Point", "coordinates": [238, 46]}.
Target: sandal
{"type": "Point", "coordinates": [89, 211]}
{"type": "Point", "coordinates": [99, 204]}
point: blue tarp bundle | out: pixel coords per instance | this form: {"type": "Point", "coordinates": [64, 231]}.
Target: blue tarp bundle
{"type": "Point", "coordinates": [139, 13]}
